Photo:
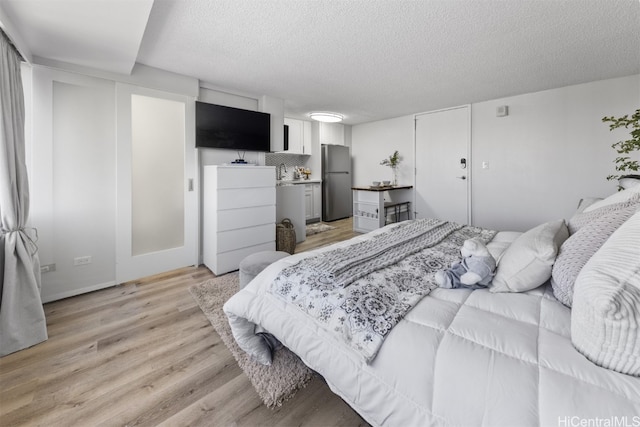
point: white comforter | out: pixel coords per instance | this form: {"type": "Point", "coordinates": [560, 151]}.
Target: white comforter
{"type": "Point", "coordinates": [459, 357]}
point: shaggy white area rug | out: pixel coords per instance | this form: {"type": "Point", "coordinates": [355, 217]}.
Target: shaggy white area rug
{"type": "Point", "coordinates": [275, 384]}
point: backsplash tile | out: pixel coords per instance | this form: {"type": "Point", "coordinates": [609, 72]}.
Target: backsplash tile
{"type": "Point", "coordinates": [289, 160]}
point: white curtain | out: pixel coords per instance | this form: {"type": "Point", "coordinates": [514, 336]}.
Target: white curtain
{"type": "Point", "coordinates": [22, 321]}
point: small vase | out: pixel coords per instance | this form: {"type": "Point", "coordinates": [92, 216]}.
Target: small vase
{"type": "Point", "coordinates": [394, 182]}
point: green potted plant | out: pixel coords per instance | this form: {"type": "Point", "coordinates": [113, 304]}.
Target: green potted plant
{"type": "Point", "coordinates": [393, 161]}
{"type": "Point", "coordinates": [624, 163]}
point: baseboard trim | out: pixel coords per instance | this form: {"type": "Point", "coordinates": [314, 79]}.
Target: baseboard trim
{"type": "Point", "coordinates": [74, 292]}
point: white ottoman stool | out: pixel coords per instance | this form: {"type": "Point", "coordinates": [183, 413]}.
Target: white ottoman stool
{"type": "Point", "coordinates": [253, 264]}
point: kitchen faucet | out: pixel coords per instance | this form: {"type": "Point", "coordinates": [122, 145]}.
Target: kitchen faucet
{"type": "Point", "coordinates": [282, 165]}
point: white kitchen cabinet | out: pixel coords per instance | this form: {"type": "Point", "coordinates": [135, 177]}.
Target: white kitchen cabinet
{"type": "Point", "coordinates": [299, 136]}
{"type": "Point", "coordinates": [239, 214]}
{"type": "Point", "coordinates": [308, 202]}
{"type": "Point", "coordinates": [331, 133]}
{"type": "Point", "coordinates": [306, 142]}
{"type": "Point", "coordinates": [317, 200]}
{"type": "Point", "coordinates": [313, 202]}
{"type": "Point", "coordinates": [296, 135]}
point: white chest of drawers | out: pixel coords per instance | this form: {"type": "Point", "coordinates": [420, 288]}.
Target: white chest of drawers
{"type": "Point", "coordinates": [239, 213]}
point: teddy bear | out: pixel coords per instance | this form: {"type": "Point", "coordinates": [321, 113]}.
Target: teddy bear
{"type": "Point", "coordinates": [474, 271]}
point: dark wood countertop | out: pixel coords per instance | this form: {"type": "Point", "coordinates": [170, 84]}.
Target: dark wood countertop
{"type": "Point", "coordinates": [387, 188]}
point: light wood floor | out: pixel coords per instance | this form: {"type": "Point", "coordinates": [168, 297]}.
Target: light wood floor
{"type": "Point", "coordinates": [143, 353]}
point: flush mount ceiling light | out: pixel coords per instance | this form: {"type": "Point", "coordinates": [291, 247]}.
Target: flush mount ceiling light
{"type": "Point", "coordinates": [327, 117]}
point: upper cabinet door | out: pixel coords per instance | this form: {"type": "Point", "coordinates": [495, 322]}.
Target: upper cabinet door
{"type": "Point", "coordinates": [306, 142]}
{"type": "Point", "coordinates": [299, 136]}
{"type": "Point", "coordinates": [295, 135]}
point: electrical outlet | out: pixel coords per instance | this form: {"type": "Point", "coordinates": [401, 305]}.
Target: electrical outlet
{"type": "Point", "coordinates": [48, 268]}
{"type": "Point", "coordinates": [82, 260]}
{"type": "Point", "coordinates": [485, 165]}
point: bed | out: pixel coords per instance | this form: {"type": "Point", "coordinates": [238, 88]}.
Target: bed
{"type": "Point", "coordinates": [511, 354]}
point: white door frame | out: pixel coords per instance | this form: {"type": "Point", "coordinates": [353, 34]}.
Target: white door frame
{"type": "Point", "coordinates": [469, 158]}
{"type": "Point", "coordinates": [129, 267]}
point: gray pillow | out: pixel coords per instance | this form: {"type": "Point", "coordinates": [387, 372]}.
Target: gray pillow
{"type": "Point", "coordinates": [583, 218]}
{"type": "Point", "coordinates": [580, 246]}
{"type": "Point", "coordinates": [617, 197]}
{"type": "Point", "coordinates": [584, 203]}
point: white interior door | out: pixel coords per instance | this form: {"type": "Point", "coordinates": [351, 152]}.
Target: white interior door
{"type": "Point", "coordinates": [157, 220]}
{"type": "Point", "coordinates": [442, 147]}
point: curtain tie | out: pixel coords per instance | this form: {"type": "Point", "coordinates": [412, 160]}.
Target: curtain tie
{"type": "Point", "coordinates": [27, 237]}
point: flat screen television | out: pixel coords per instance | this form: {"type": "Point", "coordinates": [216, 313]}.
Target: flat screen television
{"type": "Point", "coordinates": [218, 126]}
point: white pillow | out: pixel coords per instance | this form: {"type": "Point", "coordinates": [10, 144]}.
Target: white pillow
{"type": "Point", "coordinates": [620, 196]}
{"type": "Point", "coordinates": [629, 181]}
{"type": "Point", "coordinates": [527, 263]}
{"type": "Point", "coordinates": [500, 242]}
{"type": "Point", "coordinates": [605, 317]}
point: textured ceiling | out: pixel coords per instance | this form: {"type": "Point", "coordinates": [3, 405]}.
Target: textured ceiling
{"type": "Point", "coordinates": [378, 59]}
{"type": "Point", "coordinates": [373, 59]}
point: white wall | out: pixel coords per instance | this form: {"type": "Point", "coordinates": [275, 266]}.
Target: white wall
{"type": "Point", "coordinates": [550, 151]}
{"type": "Point", "coordinates": [275, 107]}
{"type": "Point", "coordinates": [375, 141]}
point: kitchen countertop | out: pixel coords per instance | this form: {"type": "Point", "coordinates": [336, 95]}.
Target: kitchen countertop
{"type": "Point", "coordinates": [299, 181]}
{"type": "Point", "coordinates": [381, 188]}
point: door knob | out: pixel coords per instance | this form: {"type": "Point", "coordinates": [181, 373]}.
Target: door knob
{"type": "Point", "coordinates": [461, 177]}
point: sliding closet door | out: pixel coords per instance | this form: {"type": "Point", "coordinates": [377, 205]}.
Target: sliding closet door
{"type": "Point", "coordinates": [443, 166]}
{"type": "Point", "coordinates": [157, 202]}
{"type": "Point", "coordinates": [73, 182]}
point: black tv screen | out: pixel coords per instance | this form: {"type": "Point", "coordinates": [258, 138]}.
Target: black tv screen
{"type": "Point", "coordinates": [218, 126]}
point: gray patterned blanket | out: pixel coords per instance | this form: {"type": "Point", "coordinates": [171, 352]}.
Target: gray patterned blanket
{"type": "Point", "coordinates": [359, 292]}
{"type": "Point", "coordinates": [343, 266]}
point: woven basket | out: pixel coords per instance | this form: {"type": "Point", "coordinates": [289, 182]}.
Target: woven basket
{"type": "Point", "coordinates": [286, 236]}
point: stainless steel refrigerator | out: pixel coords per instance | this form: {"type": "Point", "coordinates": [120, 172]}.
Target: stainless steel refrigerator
{"type": "Point", "coordinates": [336, 182]}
